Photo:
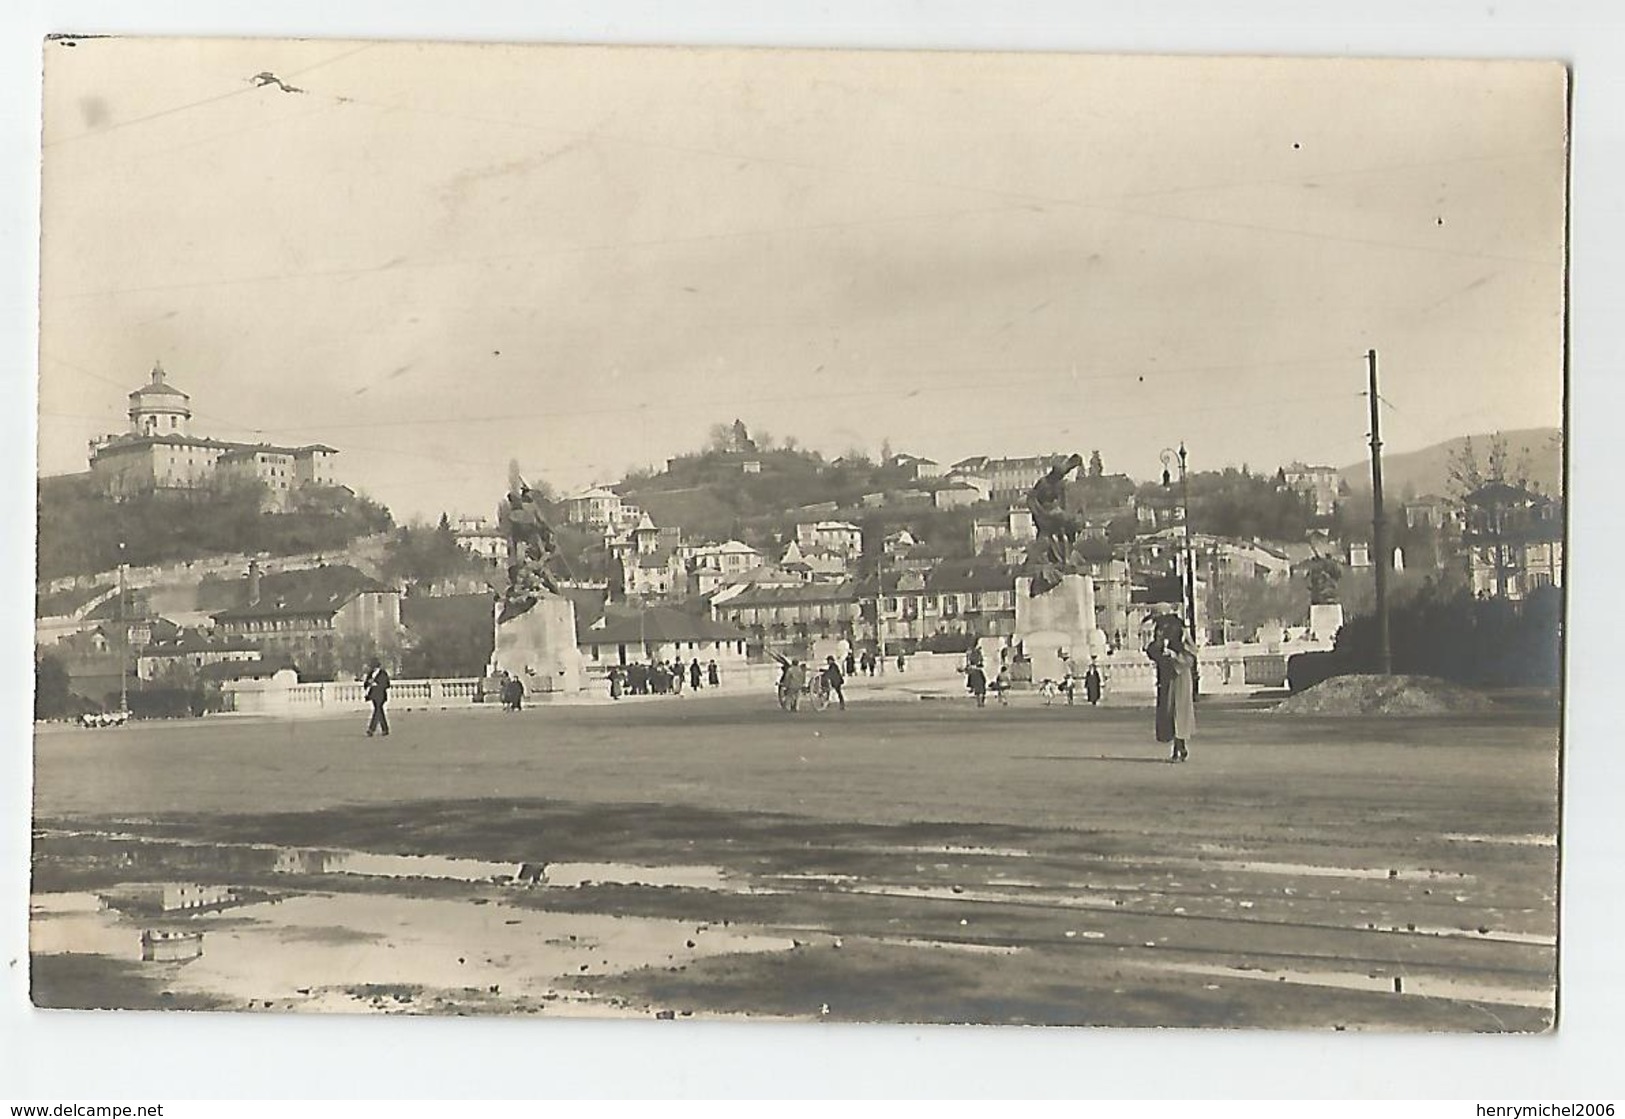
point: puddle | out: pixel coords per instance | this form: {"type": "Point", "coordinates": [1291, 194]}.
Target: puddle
{"type": "Point", "coordinates": [946, 849]}
{"type": "Point", "coordinates": [142, 854]}
{"type": "Point", "coordinates": [622, 874]}
{"type": "Point", "coordinates": [1415, 986]}
{"type": "Point", "coordinates": [1531, 840]}
{"type": "Point", "coordinates": [826, 879]}
{"type": "Point", "coordinates": [1541, 940]}
{"type": "Point", "coordinates": [391, 866]}
{"type": "Point", "coordinates": [957, 946]}
{"type": "Point", "coordinates": [948, 893]}
{"type": "Point", "coordinates": [477, 870]}
{"type": "Point", "coordinates": [1315, 870]}
{"type": "Point", "coordinates": [303, 952]}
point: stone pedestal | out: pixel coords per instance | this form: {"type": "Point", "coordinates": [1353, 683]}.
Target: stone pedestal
{"type": "Point", "coordinates": [539, 647]}
{"type": "Point", "coordinates": [1325, 620]}
{"type": "Point", "coordinates": [1059, 621]}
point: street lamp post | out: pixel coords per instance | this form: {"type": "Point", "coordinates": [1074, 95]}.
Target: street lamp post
{"type": "Point", "coordinates": [1188, 583]}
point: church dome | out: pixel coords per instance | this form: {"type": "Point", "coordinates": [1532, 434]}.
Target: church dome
{"type": "Point", "coordinates": [157, 387]}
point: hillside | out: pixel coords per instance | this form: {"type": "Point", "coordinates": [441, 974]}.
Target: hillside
{"type": "Point", "coordinates": [1427, 471]}
{"type": "Point", "coordinates": [80, 529]}
{"type": "Point", "coordinates": [712, 496]}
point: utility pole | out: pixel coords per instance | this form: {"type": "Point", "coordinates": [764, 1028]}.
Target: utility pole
{"type": "Point", "coordinates": [1187, 584]}
{"type": "Point", "coordinates": [1379, 528]}
{"type": "Point", "coordinates": [1190, 573]}
{"type": "Point", "coordinates": [124, 638]}
{"type": "Point", "coordinates": [880, 602]}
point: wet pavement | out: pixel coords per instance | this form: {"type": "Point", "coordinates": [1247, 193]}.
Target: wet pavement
{"type": "Point", "coordinates": [313, 929]}
{"type": "Point", "coordinates": [885, 866]}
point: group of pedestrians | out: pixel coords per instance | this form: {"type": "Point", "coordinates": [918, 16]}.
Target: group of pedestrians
{"type": "Point", "coordinates": [979, 681]}
{"type": "Point", "coordinates": [797, 679]}
{"type": "Point", "coordinates": [662, 677]}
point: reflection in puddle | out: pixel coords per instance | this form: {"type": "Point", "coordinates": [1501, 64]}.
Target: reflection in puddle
{"type": "Point", "coordinates": [1418, 986]}
{"type": "Point", "coordinates": [315, 951]}
{"type": "Point", "coordinates": [391, 866]}
{"type": "Point", "coordinates": [134, 853]}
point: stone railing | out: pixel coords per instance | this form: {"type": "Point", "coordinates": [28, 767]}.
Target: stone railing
{"type": "Point", "coordinates": [265, 697]}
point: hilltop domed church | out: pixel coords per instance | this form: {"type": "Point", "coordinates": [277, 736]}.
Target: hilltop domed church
{"type": "Point", "coordinates": [160, 453]}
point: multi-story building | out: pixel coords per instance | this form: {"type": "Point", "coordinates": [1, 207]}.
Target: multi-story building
{"type": "Point", "coordinates": [956, 495]}
{"type": "Point", "coordinates": [728, 560]}
{"type": "Point", "coordinates": [1006, 478]}
{"type": "Point", "coordinates": [814, 564]}
{"type": "Point", "coordinates": [1514, 541]}
{"type": "Point", "coordinates": [481, 538]}
{"type": "Point", "coordinates": [955, 601]}
{"type": "Point", "coordinates": [832, 536]}
{"type": "Point", "coordinates": [920, 469]}
{"type": "Point", "coordinates": [160, 454]}
{"type": "Point", "coordinates": [621, 635]}
{"type": "Point", "coordinates": [995, 535]}
{"type": "Point", "coordinates": [190, 650]}
{"type": "Point", "coordinates": [784, 616]}
{"type": "Point", "coordinates": [597, 507]}
{"type": "Point", "coordinates": [310, 616]}
{"type": "Point", "coordinates": [1320, 484]}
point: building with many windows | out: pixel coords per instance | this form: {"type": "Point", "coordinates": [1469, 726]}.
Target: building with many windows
{"type": "Point", "coordinates": [1514, 541]}
{"type": "Point", "coordinates": [159, 453]}
{"type": "Point", "coordinates": [1318, 484]}
{"type": "Point", "coordinates": [319, 618]}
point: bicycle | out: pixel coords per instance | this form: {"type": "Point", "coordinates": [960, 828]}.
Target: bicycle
{"type": "Point", "coordinates": [818, 692]}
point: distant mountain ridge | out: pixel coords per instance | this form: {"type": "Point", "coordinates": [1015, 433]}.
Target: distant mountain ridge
{"type": "Point", "coordinates": [1427, 471]}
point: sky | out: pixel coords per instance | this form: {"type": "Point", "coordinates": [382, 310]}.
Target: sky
{"type": "Point", "coordinates": [440, 258]}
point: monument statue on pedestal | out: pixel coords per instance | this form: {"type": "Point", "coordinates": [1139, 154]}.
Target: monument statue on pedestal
{"type": "Point", "coordinates": [1055, 617]}
{"type": "Point", "coordinates": [1052, 553]}
{"type": "Point", "coordinates": [1322, 574]}
{"type": "Point", "coordinates": [1325, 611]}
{"type": "Point", "coordinates": [531, 548]}
{"type": "Point", "coordinates": [535, 624]}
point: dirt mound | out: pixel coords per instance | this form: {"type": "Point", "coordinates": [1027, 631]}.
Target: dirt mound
{"type": "Point", "coordinates": [1387, 695]}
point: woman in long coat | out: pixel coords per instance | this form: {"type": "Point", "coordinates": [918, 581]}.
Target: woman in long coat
{"type": "Point", "coordinates": [1182, 689]}
{"type": "Point", "coordinates": [1174, 654]}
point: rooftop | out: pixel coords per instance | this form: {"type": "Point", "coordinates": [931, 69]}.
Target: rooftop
{"type": "Point", "coordinates": [622, 625]}
{"type": "Point", "coordinates": [157, 386]}
{"type": "Point", "coordinates": [314, 591]}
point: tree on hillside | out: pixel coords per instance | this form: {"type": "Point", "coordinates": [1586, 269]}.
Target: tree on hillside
{"type": "Point", "coordinates": [418, 555]}
{"type": "Point", "coordinates": [1466, 474]}
{"type": "Point", "coordinates": [1097, 468]}
{"type": "Point", "coordinates": [1230, 503]}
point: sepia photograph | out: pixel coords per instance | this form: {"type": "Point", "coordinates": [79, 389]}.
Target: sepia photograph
{"type": "Point", "coordinates": [790, 535]}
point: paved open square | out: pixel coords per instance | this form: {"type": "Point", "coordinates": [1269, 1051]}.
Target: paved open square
{"type": "Point", "coordinates": [904, 860]}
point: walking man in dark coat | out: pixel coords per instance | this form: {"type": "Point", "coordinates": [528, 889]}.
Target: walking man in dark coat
{"type": "Point", "coordinates": [375, 685]}
{"type": "Point", "coordinates": [695, 675]}
{"type": "Point", "coordinates": [834, 679]}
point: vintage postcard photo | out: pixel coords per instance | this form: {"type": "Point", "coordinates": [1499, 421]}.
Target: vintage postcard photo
{"type": "Point", "coordinates": [799, 535]}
